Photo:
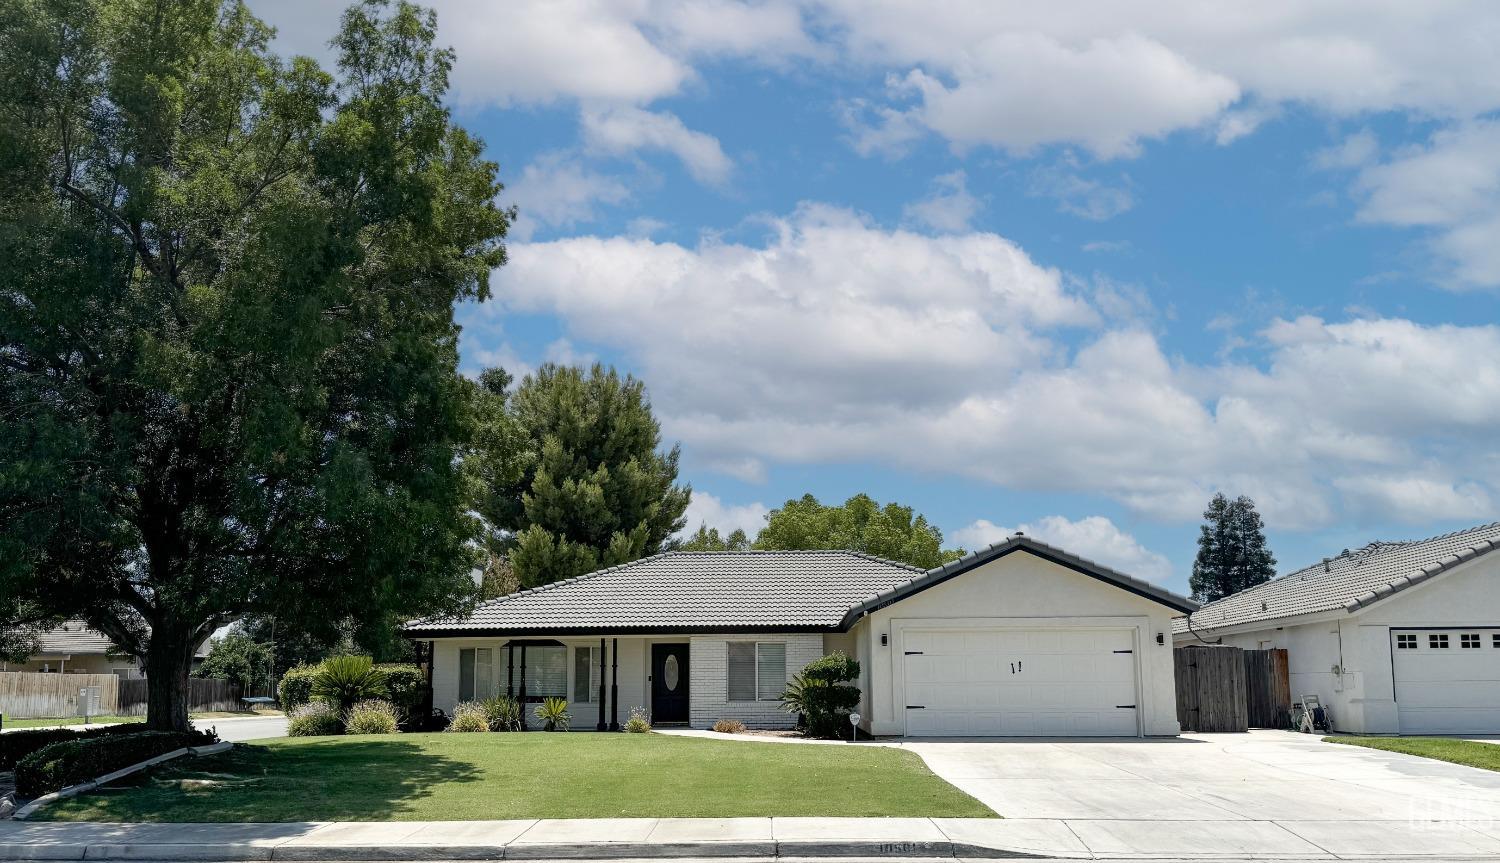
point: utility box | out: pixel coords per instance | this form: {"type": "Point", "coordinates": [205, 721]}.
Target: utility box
{"type": "Point", "coordinates": [88, 702]}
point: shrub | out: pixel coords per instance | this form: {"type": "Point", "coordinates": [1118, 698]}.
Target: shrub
{"type": "Point", "coordinates": [73, 761]}
{"type": "Point", "coordinates": [818, 695]}
{"type": "Point", "coordinates": [314, 719]}
{"type": "Point", "coordinates": [639, 721]}
{"type": "Point", "coordinates": [295, 689]}
{"type": "Point", "coordinates": [371, 717]}
{"type": "Point", "coordinates": [503, 713]}
{"type": "Point", "coordinates": [16, 745]}
{"type": "Point", "coordinates": [344, 681]}
{"type": "Point", "coordinates": [729, 726]}
{"type": "Point", "coordinates": [468, 716]}
{"type": "Point", "coordinates": [553, 714]}
{"type": "Point", "coordinates": [404, 689]}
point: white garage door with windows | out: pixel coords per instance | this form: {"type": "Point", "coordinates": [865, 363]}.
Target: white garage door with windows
{"type": "Point", "coordinates": [1058, 681]}
{"type": "Point", "coordinates": [1447, 680]}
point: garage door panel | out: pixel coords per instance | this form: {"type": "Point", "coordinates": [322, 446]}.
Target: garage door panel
{"type": "Point", "coordinates": [1447, 690]}
{"type": "Point", "coordinates": [1020, 682]}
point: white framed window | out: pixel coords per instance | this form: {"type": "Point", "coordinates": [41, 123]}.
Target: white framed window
{"type": "Point", "coordinates": [1496, 640]}
{"type": "Point", "coordinates": [1470, 640]}
{"type": "Point", "coordinates": [1406, 641]}
{"type": "Point", "coordinates": [476, 676]}
{"type": "Point", "coordinates": [546, 671]}
{"type": "Point", "coordinates": [1438, 641]}
{"type": "Point", "coordinates": [757, 670]}
{"type": "Point", "coordinates": [586, 673]}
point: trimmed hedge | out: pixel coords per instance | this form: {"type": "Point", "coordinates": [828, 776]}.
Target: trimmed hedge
{"type": "Point", "coordinates": [70, 762]}
{"type": "Point", "coordinates": [16, 745]}
{"type": "Point", "coordinates": [295, 689]}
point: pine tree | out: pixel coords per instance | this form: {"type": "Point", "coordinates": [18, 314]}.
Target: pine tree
{"type": "Point", "coordinates": [1232, 552]}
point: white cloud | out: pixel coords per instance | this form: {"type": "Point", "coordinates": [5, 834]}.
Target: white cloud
{"type": "Point", "coordinates": [1078, 195]}
{"type": "Point", "coordinates": [556, 191]}
{"type": "Point", "coordinates": [1093, 537]}
{"type": "Point", "coordinates": [1107, 75]}
{"type": "Point", "coordinates": [621, 131]}
{"type": "Point", "coordinates": [1450, 186]}
{"type": "Point", "coordinates": [835, 340]}
{"type": "Point", "coordinates": [949, 208]}
{"type": "Point", "coordinates": [705, 508]}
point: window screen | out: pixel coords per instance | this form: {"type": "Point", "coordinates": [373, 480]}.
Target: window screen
{"type": "Point", "coordinates": [741, 671]}
{"type": "Point", "coordinates": [770, 671]}
{"type": "Point", "coordinates": [466, 675]}
{"type": "Point", "coordinates": [585, 674]}
{"type": "Point", "coordinates": [546, 672]}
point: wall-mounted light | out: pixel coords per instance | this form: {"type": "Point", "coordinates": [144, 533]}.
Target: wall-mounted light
{"type": "Point", "coordinates": [884, 639]}
{"type": "Point", "coordinates": [1161, 638]}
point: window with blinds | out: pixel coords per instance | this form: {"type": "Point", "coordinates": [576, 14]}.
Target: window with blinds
{"type": "Point", "coordinates": [585, 675]}
{"type": "Point", "coordinates": [476, 674]}
{"type": "Point", "coordinates": [546, 671]}
{"type": "Point", "coordinates": [757, 670]}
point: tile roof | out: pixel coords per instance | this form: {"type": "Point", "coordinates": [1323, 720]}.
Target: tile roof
{"type": "Point", "coordinates": [75, 638]}
{"type": "Point", "coordinates": [740, 591]}
{"type": "Point", "coordinates": [679, 590]}
{"type": "Point", "coordinates": [1351, 581]}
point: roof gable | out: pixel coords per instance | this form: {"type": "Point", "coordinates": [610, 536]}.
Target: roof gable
{"type": "Point", "coordinates": [1021, 542]}
{"type": "Point", "coordinates": [1350, 582]}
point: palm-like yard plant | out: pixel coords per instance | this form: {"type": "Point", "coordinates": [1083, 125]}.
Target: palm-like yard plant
{"type": "Point", "coordinates": [346, 680]}
{"type": "Point", "coordinates": [553, 714]}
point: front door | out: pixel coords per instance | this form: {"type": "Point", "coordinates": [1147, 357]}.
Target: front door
{"type": "Point", "coordinates": [669, 683]}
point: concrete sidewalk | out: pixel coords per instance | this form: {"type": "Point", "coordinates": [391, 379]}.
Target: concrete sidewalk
{"type": "Point", "coordinates": [749, 838]}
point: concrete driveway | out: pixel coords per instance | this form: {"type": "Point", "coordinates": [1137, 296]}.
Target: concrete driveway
{"type": "Point", "coordinates": [1266, 792]}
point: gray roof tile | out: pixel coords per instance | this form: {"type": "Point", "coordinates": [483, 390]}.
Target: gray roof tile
{"type": "Point", "coordinates": [692, 590]}
{"type": "Point", "coordinates": [1351, 581]}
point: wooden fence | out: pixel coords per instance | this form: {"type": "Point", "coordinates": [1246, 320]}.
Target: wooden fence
{"type": "Point", "coordinates": [1268, 689]}
{"type": "Point", "coordinates": [29, 694]}
{"type": "Point", "coordinates": [1229, 689]}
{"type": "Point", "coordinates": [204, 694]}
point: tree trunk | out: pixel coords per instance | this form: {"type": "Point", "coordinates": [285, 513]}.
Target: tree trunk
{"type": "Point", "coordinates": [169, 660]}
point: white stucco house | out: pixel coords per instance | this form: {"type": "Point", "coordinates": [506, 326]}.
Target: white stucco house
{"type": "Point", "coordinates": [1395, 637]}
{"type": "Point", "coordinates": [1018, 639]}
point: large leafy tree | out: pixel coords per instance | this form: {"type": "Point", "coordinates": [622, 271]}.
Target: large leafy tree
{"type": "Point", "coordinates": [597, 490]}
{"type": "Point", "coordinates": [1232, 551]}
{"type": "Point", "coordinates": [238, 658]}
{"type": "Point", "coordinates": [861, 524]}
{"type": "Point", "coordinates": [227, 284]}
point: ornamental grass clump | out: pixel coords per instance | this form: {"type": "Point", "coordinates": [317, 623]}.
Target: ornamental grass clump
{"type": "Point", "coordinates": [729, 726]}
{"type": "Point", "coordinates": [314, 719]}
{"type": "Point", "coordinates": [639, 721]}
{"type": "Point", "coordinates": [344, 681]}
{"type": "Point", "coordinates": [469, 717]}
{"type": "Point", "coordinates": [371, 717]}
{"type": "Point", "coordinates": [503, 713]}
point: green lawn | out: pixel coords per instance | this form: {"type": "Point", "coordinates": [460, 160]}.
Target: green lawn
{"type": "Point", "coordinates": [1467, 752]}
{"type": "Point", "coordinates": [112, 720]}
{"type": "Point", "coordinates": [433, 777]}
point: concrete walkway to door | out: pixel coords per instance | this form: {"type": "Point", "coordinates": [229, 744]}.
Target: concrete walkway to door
{"type": "Point", "coordinates": [1261, 792]}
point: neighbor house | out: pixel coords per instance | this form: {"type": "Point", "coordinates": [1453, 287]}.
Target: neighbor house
{"type": "Point", "coordinates": [74, 648]}
{"type": "Point", "coordinates": [1017, 639]}
{"type": "Point", "coordinates": [1392, 637]}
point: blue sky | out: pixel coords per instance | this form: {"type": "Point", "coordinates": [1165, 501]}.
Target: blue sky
{"type": "Point", "coordinates": [1071, 268]}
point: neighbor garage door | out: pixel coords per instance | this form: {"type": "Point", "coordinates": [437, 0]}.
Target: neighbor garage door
{"type": "Point", "coordinates": [1447, 680]}
{"type": "Point", "coordinates": [1020, 682]}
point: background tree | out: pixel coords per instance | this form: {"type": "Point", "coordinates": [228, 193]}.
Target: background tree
{"type": "Point", "coordinates": [707, 538]}
{"type": "Point", "coordinates": [596, 491]}
{"type": "Point", "coordinates": [861, 524]}
{"type": "Point", "coordinates": [228, 373]}
{"type": "Point", "coordinates": [238, 658]}
{"type": "Point", "coordinates": [1232, 552]}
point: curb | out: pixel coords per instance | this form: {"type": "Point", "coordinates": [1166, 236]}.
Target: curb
{"type": "Point", "coordinates": [220, 853]}
{"type": "Point", "coordinates": [29, 809]}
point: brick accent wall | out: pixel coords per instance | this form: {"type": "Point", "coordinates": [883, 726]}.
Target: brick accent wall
{"type": "Point", "coordinates": [708, 665]}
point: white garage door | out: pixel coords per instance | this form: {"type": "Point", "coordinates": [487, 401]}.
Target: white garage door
{"type": "Point", "coordinates": [1020, 682]}
{"type": "Point", "coordinates": [1447, 680]}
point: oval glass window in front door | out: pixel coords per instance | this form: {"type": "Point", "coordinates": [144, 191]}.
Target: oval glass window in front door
{"type": "Point", "coordinates": [670, 673]}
